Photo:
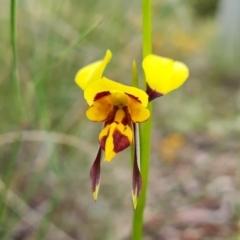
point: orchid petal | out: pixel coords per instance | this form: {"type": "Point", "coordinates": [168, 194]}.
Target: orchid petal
{"type": "Point", "coordinates": [137, 111]}
{"type": "Point", "coordinates": [105, 84]}
{"type": "Point", "coordinates": [100, 110]}
{"type": "Point", "coordinates": [116, 136]}
{"type": "Point", "coordinates": [163, 74]}
{"type": "Point", "coordinates": [95, 174]}
{"type": "Point", "coordinates": [92, 72]}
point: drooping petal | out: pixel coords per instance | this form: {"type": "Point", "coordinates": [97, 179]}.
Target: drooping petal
{"type": "Point", "coordinates": [104, 85]}
{"type": "Point", "coordinates": [95, 174]}
{"type": "Point", "coordinates": [163, 74]}
{"type": "Point", "coordinates": [137, 111]}
{"type": "Point", "coordinates": [136, 184]}
{"type": "Point", "coordinates": [136, 177]}
{"type": "Point", "coordinates": [92, 72]}
{"type": "Point", "coordinates": [101, 109]}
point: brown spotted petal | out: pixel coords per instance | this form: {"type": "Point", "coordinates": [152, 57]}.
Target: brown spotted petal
{"type": "Point", "coordinates": [101, 108]}
{"type": "Point", "coordinates": [117, 133]}
{"type": "Point", "coordinates": [95, 174]}
{"type": "Point", "coordinates": [136, 177]}
{"type": "Point", "coordinates": [122, 137]}
{"type": "Point", "coordinates": [152, 94]}
{"type": "Point", "coordinates": [118, 138]}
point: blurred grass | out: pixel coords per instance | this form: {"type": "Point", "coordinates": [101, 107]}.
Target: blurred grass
{"type": "Point", "coordinates": [14, 73]}
{"type": "Point", "coordinates": [55, 39]}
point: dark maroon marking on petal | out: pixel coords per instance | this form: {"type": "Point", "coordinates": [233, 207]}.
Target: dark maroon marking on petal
{"type": "Point", "coordinates": [100, 95]}
{"type": "Point", "coordinates": [95, 171]}
{"type": "Point", "coordinates": [112, 115]}
{"type": "Point", "coordinates": [136, 177]}
{"type": "Point", "coordinates": [152, 94]}
{"type": "Point", "coordinates": [120, 141]}
{"type": "Point", "coordinates": [134, 97]}
{"type": "Point", "coordinates": [127, 118]}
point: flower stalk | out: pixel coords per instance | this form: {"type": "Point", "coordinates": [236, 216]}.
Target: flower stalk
{"type": "Point", "coordinates": [145, 129]}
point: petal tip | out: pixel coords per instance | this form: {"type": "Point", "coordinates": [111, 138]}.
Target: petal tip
{"type": "Point", "coordinates": [108, 55]}
{"type": "Point", "coordinates": [95, 193]}
{"type": "Point", "coordinates": [135, 200]}
{"type": "Point", "coordinates": [110, 156]}
{"type": "Point", "coordinates": [95, 175]}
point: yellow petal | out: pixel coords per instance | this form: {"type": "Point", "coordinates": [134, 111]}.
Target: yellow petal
{"type": "Point", "coordinates": [120, 137]}
{"type": "Point", "coordinates": [92, 72]}
{"type": "Point", "coordinates": [163, 74]}
{"type": "Point", "coordinates": [109, 144]}
{"type": "Point", "coordinates": [137, 111]}
{"type": "Point", "coordinates": [116, 136]}
{"type": "Point", "coordinates": [105, 84]}
{"type": "Point", "coordinates": [100, 110]}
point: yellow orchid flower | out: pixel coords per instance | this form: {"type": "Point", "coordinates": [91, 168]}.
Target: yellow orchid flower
{"type": "Point", "coordinates": [122, 107]}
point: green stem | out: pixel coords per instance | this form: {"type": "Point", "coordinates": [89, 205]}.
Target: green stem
{"type": "Point", "coordinates": [14, 72]}
{"type": "Point", "coordinates": [145, 130]}
{"type": "Point", "coordinates": [147, 27]}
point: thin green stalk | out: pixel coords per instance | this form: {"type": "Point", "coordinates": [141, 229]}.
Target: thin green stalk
{"type": "Point", "coordinates": [145, 130]}
{"type": "Point", "coordinates": [147, 27]}
{"type": "Point", "coordinates": [14, 70]}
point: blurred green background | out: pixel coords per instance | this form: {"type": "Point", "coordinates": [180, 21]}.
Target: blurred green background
{"type": "Point", "coordinates": [47, 151]}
